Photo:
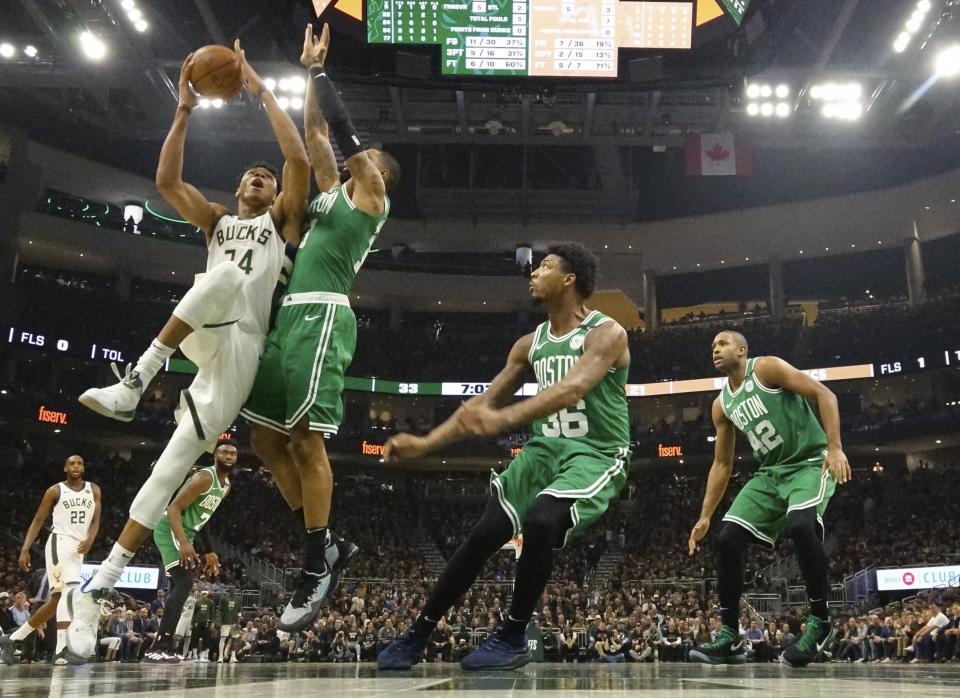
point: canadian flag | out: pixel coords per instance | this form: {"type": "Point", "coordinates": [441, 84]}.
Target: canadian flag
{"type": "Point", "coordinates": [718, 154]}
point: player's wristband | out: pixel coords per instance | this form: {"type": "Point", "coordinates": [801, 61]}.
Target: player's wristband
{"type": "Point", "coordinates": [336, 114]}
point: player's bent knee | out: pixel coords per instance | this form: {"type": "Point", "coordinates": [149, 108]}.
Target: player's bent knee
{"type": "Point", "coordinates": [733, 538]}
{"type": "Point", "coordinates": [802, 523]}
{"type": "Point", "coordinates": [547, 520]}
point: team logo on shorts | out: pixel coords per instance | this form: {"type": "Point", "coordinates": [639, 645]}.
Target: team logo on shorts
{"type": "Point", "coordinates": [576, 342]}
{"type": "Point", "coordinates": [749, 386]}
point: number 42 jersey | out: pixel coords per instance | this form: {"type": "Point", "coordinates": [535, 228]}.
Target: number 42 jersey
{"type": "Point", "coordinates": [780, 425]}
{"type": "Point", "coordinates": [601, 418]}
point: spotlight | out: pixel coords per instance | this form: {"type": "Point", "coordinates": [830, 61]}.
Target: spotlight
{"type": "Point", "coordinates": [93, 47]}
{"type": "Point", "coordinates": [783, 110]}
{"type": "Point", "coordinates": [766, 91]}
{"type": "Point", "coordinates": [128, 4]}
{"type": "Point", "coordinates": [923, 6]}
{"type": "Point", "coordinates": [282, 85]}
{"type": "Point", "coordinates": [134, 14]}
{"type": "Point", "coordinates": [204, 103]}
{"type": "Point", "coordinates": [829, 110]}
{"type": "Point", "coordinates": [816, 92]}
{"type": "Point", "coordinates": [753, 109]}
{"type": "Point", "coordinates": [30, 51]}
{"type": "Point", "coordinates": [901, 43]}
{"type": "Point", "coordinates": [270, 84]}
{"type": "Point", "coordinates": [7, 50]}
{"type": "Point", "coordinates": [296, 103]}
{"type": "Point", "coordinates": [913, 24]}
{"type": "Point", "coordinates": [283, 102]}
{"type": "Point", "coordinates": [948, 61]}
{"type": "Point", "coordinates": [216, 103]}
{"type": "Point", "coordinates": [141, 25]}
{"type": "Point", "coordinates": [853, 91]}
{"type": "Point", "coordinates": [753, 91]}
{"type": "Point", "coordinates": [296, 85]}
{"type": "Point", "coordinates": [766, 109]}
{"type": "Point", "coordinates": [783, 91]}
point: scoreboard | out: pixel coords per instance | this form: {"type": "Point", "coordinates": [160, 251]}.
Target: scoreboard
{"type": "Point", "coordinates": [537, 38]}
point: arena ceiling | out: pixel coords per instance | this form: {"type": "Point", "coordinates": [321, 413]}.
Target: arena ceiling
{"type": "Point", "coordinates": [131, 92]}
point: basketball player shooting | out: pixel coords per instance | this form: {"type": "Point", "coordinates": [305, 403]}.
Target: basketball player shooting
{"type": "Point", "coordinates": [221, 324]}
{"type": "Point", "coordinates": [296, 396]}
{"type": "Point", "coordinates": [75, 505]}
{"type": "Point", "coordinates": [567, 474]}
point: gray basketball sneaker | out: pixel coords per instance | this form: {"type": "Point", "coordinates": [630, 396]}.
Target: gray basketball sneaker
{"type": "Point", "coordinates": [118, 401]}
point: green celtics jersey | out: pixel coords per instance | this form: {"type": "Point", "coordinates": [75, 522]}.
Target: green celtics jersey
{"type": "Point", "coordinates": [600, 419]}
{"type": "Point", "coordinates": [780, 425]}
{"type": "Point", "coordinates": [334, 248]}
{"type": "Point", "coordinates": [196, 515]}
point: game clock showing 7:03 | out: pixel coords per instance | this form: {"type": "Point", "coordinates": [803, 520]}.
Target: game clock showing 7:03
{"type": "Point", "coordinates": [539, 38]}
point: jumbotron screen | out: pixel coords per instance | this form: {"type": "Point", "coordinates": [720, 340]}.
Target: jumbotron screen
{"type": "Point", "coordinates": [537, 38]}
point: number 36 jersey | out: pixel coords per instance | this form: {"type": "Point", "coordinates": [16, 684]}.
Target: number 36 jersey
{"type": "Point", "coordinates": [73, 512]}
{"type": "Point", "coordinates": [780, 425]}
{"type": "Point", "coordinates": [600, 419]}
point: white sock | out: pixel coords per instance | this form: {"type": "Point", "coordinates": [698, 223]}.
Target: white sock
{"type": "Point", "coordinates": [22, 633]}
{"type": "Point", "coordinates": [152, 360]}
{"type": "Point", "coordinates": [61, 640]}
{"type": "Point", "coordinates": [111, 569]}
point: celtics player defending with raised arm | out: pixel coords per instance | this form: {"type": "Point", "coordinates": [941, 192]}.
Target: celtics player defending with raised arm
{"type": "Point", "coordinates": [801, 464]}
{"type": "Point", "coordinates": [179, 527]}
{"type": "Point", "coordinates": [295, 399]}
{"type": "Point", "coordinates": [222, 323]}
{"type": "Point", "coordinates": [566, 475]}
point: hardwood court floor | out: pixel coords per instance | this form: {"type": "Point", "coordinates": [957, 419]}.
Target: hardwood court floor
{"type": "Point", "coordinates": [442, 680]}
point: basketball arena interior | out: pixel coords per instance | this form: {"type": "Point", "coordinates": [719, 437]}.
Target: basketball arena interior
{"type": "Point", "coordinates": [779, 174]}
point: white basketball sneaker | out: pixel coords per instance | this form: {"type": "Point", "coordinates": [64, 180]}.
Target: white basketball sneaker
{"type": "Point", "coordinates": [85, 608]}
{"type": "Point", "coordinates": [118, 401]}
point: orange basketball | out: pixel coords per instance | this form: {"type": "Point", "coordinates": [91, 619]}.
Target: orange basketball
{"type": "Point", "coordinates": [215, 72]}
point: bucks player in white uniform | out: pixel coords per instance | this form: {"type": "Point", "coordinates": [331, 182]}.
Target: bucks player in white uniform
{"type": "Point", "coordinates": [75, 506]}
{"type": "Point", "coordinates": [222, 323]}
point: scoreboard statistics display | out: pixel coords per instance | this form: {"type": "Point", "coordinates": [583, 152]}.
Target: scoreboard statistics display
{"type": "Point", "coordinates": [531, 38]}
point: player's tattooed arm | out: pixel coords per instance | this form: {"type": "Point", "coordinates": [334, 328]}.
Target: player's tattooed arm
{"type": "Point", "coordinates": [94, 529]}
{"type": "Point", "coordinates": [777, 373]}
{"type": "Point", "coordinates": [47, 503]}
{"type": "Point", "coordinates": [322, 159]}
{"type": "Point", "coordinates": [185, 198]}
{"type": "Point", "coordinates": [719, 476]}
{"type": "Point", "coordinates": [501, 389]}
{"type": "Point", "coordinates": [604, 348]}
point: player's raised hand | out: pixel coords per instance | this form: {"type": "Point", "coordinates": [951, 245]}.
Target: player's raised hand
{"type": "Point", "coordinates": [188, 97]}
{"type": "Point", "coordinates": [25, 560]}
{"type": "Point", "coordinates": [188, 557]}
{"type": "Point", "coordinates": [251, 80]}
{"type": "Point", "coordinates": [403, 446]}
{"type": "Point", "coordinates": [696, 535]}
{"type": "Point", "coordinates": [479, 420]}
{"type": "Point", "coordinates": [315, 50]}
{"type": "Point", "coordinates": [836, 462]}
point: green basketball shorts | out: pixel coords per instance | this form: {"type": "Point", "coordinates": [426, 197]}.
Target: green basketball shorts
{"type": "Point", "coordinates": [763, 504]}
{"type": "Point", "coordinates": [167, 545]}
{"type": "Point", "coordinates": [565, 469]}
{"type": "Point", "coordinates": [301, 370]}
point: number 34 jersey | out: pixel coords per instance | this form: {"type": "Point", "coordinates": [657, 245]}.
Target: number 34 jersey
{"type": "Point", "coordinates": [600, 419]}
{"type": "Point", "coordinates": [73, 512]}
{"type": "Point", "coordinates": [780, 425]}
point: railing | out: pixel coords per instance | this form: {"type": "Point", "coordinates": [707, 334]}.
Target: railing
{"type": "Point", "coordinates": [764, 604]}
{"type": "Point", "coordinates": [266, 571]}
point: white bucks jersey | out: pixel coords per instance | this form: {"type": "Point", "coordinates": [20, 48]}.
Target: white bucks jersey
{"type": "Point", "coordinates": [256, 246]}
{"type": "Point", "coordinates": [73, 512]}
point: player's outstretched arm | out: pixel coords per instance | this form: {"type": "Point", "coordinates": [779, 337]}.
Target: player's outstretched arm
{"type": "Point", "coordinates": [198, 484]}
{"type": "Point", "coordinates": [47, 503]}
{"type": "Point", "coordinates": [185, 198]}
{"type": "Point", "coordinates": [322, 159]}
{"type": "Point", "coordinates": [719, 476]}
{"type": "Point", "coordinates": [291, 202]}
{"type": "Point", "coordinates": [605, 347]}
{"type": "Point", "coordinates": [94, 529]}
{"type": "Point", "coordinates": [502, 387]}
{"type": "Point", "coordinates": [777, 373]}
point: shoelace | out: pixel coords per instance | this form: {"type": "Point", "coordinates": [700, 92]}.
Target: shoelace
{"type": "Point", "coordinates": [498, 642]}
{"type": "Point", "coordinates": [129, 376]}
